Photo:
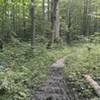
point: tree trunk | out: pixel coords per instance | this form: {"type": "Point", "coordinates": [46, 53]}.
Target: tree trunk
{"type": "Point", "coordinates": [48, 10]}
{"type": "Point", "coordinates": [55, 24]}
{"type": "Point", "coordinates": [32, 12]}
{"type": "Point", "coordinates": [43, 15]}
{"type": "Point", "coordinates": [95, 21]}
{"type": "Point", "coordinates": [69, 26]}
{"type": "Point", "coordinates": [24, 23]}
{"type": "Point", "coordinates": [13, 18]}
{"type": "Point", "coordinates": [85, 18]}
{"type": "Point", "coordinates": [43, 8]}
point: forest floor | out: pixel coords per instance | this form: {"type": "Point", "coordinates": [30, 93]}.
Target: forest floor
{"type": "Point", "coordinates": [22, 71]}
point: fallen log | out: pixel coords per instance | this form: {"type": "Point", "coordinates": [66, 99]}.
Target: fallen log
{"type": "Point", "coordinates": [93, 83]}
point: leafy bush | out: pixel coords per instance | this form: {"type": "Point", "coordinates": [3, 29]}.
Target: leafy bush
{"type": "Point", "coordinates": [20, 68]}
{"type": "Point", "coordinates": [84, 60]}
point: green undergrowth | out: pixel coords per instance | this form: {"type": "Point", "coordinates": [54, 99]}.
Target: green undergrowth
{"type": "Point", "coordinates": [85, 59]}
{"type": "Point", "coordinates": [22, 70]}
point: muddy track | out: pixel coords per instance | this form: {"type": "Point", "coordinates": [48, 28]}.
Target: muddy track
{"type": "Point", "coordinates": [56, 87]}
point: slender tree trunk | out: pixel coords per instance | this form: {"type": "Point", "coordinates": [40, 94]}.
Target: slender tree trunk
{"type": "Point", "coordinates": [13, 27]}
{"type": "Point", "coordinates": [24, 23]}
{"type": "Point", "coordinates": [8, 34]}
{"type": "Point", "coordinates": [68, 22]}
{"type": "Point", "coordinates": [95, 21]}
{"type": "Point", "coordinates": [89, 17]}
{"type": "Point", "coordinates": [3, 18]}
{"type": "Point", "coordinates": [18, 20]}
{"type": "Point", "coordinates": [43, 8]}
{"type": "Point", "coordinates": [69, 26]}
{"type": "Point", "coordinates": [85, 18]}
{"type": "Point", "coordinates": [48, 10]}
{"type": "Point", "coordinates": [33, 22]}
{"type": "Point", "coordinates": [13, 18]}
{"type": "Point", "coordinates": [43, 15]}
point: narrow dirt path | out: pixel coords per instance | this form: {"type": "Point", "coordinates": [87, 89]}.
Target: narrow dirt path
{"type": "Point", "coordinates": [56, 87]}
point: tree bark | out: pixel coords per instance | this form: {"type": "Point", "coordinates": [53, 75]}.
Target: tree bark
{"type": "Point", "coordinates": [84, 24]}
{"type": "Point", "coordinates": [24, 23]}
{"type": "Point", "coordinates": [43, 15]}
{"type": "Point", "coordinates": [32, 11]}
{"type": "Point", "coordinates": [43, 8]}
{"type": "Point", "coordinates": [48, 10]}
{"type": "Point", "coordinates": [55, 23]}
{"type": "Point", "coordinates": [13, 18]}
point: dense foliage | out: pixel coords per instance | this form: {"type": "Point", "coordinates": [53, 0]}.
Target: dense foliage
{"type": "Point", "coordinates": [21, 71]}
{"type": "Point", "coordinates": [25, 44]}
{"type": "Point", "coordinates": [78, 17]}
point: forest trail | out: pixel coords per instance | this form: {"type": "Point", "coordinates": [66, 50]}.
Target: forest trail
{"type": "Point", "coordinates": [57, 87]}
